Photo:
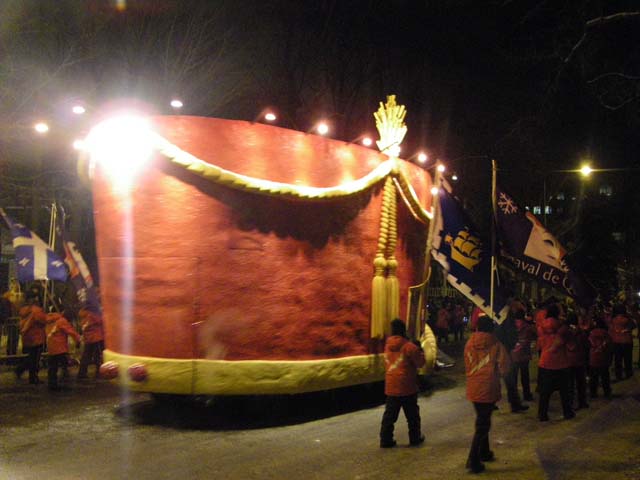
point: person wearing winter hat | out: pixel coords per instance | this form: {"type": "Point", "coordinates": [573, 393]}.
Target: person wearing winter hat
{"type": "Point", "coordinates": [402, 359]}
{"type": "Point", "coordinates": [486, 360]}
{"type": "Point", "coordinates": [553, 367]}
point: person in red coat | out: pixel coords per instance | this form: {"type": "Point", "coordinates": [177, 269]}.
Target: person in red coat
{"type": "Point", "coordinates": [599, 359]}
{"type": "Point", "coordinates": [58, 346]}
{"type": "Point", "coordinates": [443, 323]}
{"type": "Point", "coordinates": [553, 367]}
{"type": "Point", "coordinates": [521, 353]}
{"type": "Point", "coordinates": [402, 360]}
{"type": "Point", "coordinates": [486, 360]}
{"type": "Point", "coordinates": [93, 334]}
{"type": "Point", "coordinates": [620, 329]}
{"type": "Point", "coordinates": [577, 348]}
{"type": "Point", "coordinates": [32, 325]}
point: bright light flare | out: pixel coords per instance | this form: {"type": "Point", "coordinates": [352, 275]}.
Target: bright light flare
{"type": "Point", "coordinates": [434, 191]}
{"type": "Point", "coordinates": [41, 127]}
{"type": "Point", "coordinates": [78, 109]}
{"type": "Point", "coordinates": [175, 103]}
{"type": "Point", "coordinates": [441, 168]}
{"type": "Point", "coordinates": [121, 145]}
{"type": "Point", "coordinates": [422, 157]}
{"type": "Point", "coordinates": [322, 128]}
{"type": "Point", "coordinates": [79, 144]}
{"type": "Point", "coordinates": [454, 177]}
{"type": "Point", "coordinates": [586, 170]}
{"type": "Point", "coordinates": [367, 142]}
{"type": "Point", "coordinates": [270, 117]}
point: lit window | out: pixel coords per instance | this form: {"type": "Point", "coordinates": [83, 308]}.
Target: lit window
{"type": "Point", "coordinates": [560, 196]}
{"type": "Point", "coordinates": [537, 210]}
{"type": "Point", "coordinates": [547, 209]}
{"type": "Point", "coordinates": [606, 190]}
{"type": "Point", "coordinates": [617, 236]}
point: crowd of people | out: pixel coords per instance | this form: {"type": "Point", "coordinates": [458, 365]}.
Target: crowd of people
{"type": "Point", "coordinates": [575, 350]}
{"type": "Point", "coordinates": [48, 333]}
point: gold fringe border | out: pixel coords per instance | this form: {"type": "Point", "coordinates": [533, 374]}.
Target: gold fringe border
{"type": "Point", "coordinates": [249, 377]}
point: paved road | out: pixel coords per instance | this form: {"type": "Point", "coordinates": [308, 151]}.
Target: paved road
{"type": "Point", "coordinates": [94, 431]}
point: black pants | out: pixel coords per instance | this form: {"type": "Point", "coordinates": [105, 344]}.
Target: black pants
{"type": "Point", "coordinates": [511, 382]}
{"type": "Point", "coordinates": [578, 385]}
{"type": "Point", "coordinates": [443, 334]}
{"type": "Point", "coordinates": [480, 443]}
{"type": "Point", "coordinates": [458, 332]}
{"type": "Point", "coordinates": [409, 405]}
{"type": "Point", "coordinates": [523, 369]}
{"type": "Point", "coordinates": [622, 355]}
{"type": "Point", "coordinates": [55, 362]}
{"type": "Point", "coordinates": [599, 375]}
{"type": "Point", "coordinates": [31, 363]}
{"type": "Point", "coordinates": [91, 355]}
{"type": "Point", "coordinates": [550, 381]}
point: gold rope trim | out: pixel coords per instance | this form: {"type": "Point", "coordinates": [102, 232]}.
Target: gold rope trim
{"type": "Point", "coordinates": [252, 184]}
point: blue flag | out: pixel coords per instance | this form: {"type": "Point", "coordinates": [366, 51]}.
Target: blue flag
{"type": "Point", "coordinates": [532, 249]}
{"type": "Point", "coordinates": [465, 257]}
{"type": "Point", "coordinates": [35, 260]}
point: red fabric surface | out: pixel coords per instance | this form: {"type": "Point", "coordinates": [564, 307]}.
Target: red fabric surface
{"type": "Point", "coordinates": [192, 269]}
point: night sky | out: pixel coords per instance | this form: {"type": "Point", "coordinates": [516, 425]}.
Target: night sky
{"type": "Point", "coordinates": [536, 85]}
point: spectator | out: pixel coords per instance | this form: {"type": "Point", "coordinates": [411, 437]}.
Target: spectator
{"type": "Point", "coordinates": [442, 323]}
{"type": "Point", "coordinates": [577, 345]}
{"type": "Point", "coordinates": [32, 323]}
{"type": "Point", "coordinates": [507, 333]}
{"type": "Point", "coordinates": [599, 359]}
{"type": "Point", "coordinates": [553, 366]}
{"type": "Point", "coordinates": [620, 329]}
{"type": "Point", "coordinates": [486, 360]}
{"type": "Point", "coordinates": [58, 346]}
{"type": "Point", "coordinates": [521, 353]}
{"type": "Point", "coordinates": [93, 334]}
{"type": "Point", "coordinates": [402, 359]}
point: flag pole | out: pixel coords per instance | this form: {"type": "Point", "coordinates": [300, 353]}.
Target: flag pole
{"type": "Point", "coordinates": [435, 209]}
{"type": "Point", "coordinates": [494, 168]}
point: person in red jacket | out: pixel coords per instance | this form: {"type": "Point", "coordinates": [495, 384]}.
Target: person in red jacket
{"type": "Point", "coordinates": [620, 329]}
{"type": "Point", "coordinates": [32, 324]}
{"type": "Point", "coordinates": [93, 334]}
{"type": "Point", "coordinates": [599, 359]}
{"type": "Point", "coordinates": [521, 353]}
{"type": "Point", "coordinates": [485, 360]}
{"type": "Point", "coordinates": [58, 346]}
{"type": "Point", "coordinates": [443, 323]}
{"type": "Point", "coordinates": [577, 351]}
{"type": "Point", "coordinates": [402, 360]}
{"type": "Point", "coordinates": [553, 367]}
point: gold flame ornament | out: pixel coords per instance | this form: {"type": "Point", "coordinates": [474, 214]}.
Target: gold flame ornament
{"type": "Point", "coordinates": [391, 126]}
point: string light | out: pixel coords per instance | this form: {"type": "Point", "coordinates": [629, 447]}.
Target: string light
{"type": "Point", "coordinates": [422, 157]}
{"type": "Point", "coordinates": [41, 127]}
{"type": "Point", "coordinates": [322, 128]}
{"type": "Point", "coordinates": [367, 142]}
{"type": "Point", "coordinates": [441, 168]}
{"type": "Point", "coordinates": [78, 109]}
{"type": "Point", "coordinates": [175, 103]}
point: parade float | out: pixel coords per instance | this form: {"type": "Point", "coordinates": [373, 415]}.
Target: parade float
{"type": "Point", "coordinates": [239, 258]}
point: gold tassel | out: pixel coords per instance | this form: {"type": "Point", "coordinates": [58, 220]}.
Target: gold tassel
{"type": "Point", "coordinates": [378, 286]}
{"type": "Point", "coordinates": [393, 285]}
{"type": "Point", "coordinates": [378, 299]}
{"type": "Point", "coordinates": [385, 293]}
